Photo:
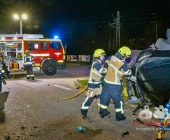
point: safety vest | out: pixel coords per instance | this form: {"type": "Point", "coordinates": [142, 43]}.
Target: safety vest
{"type": "Point", "coordinates": [116, 69]}
{"type": "Point", "coordinates": [29, 60]}
{"type": "Point", "coordinates": [3, 58]}
{"type": "Point", "coordinates": [96, 73]}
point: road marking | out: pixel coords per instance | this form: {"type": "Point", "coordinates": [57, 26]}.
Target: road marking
{"type": "Point", "coordinates": [62, 87]}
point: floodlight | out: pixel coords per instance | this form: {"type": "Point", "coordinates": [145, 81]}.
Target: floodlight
{"type": "Point", "coordinates": [16, 17]}
{"type": "Point", "coordinates": [24, 16]}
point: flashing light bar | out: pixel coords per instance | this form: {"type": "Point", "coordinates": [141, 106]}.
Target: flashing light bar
{"type": "Point", "coordinates": [55, 37]}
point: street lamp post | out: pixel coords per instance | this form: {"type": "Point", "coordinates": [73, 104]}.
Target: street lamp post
{"type": "Point", "coordinates": [23, 17]}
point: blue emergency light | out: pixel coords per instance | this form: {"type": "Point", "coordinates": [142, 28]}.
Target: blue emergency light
{"type": "Point", "coordinates": [55, 37]}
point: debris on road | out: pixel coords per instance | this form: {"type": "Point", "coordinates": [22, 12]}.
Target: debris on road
{"type": "Point", "coordinates": [7, 137]}
{"type": "Point", "coordinates": [134, 114]}
{"type": "Point", "coordinates": [126, 133]}
{"type": "Point", "coordinates": [81, 128]}
{"type": "Point", "coordinates": [23, 128]}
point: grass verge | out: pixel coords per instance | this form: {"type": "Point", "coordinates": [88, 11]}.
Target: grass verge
{"type": "Point", "coordinates": [81, 83]}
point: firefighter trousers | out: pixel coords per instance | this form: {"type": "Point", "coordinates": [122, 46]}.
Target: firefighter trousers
{"type": "Point", "coordinates": [90, 95]}
{"type": "Point", "coordinates": [115, 92]}
{"type": "Point", "coordinates": [29, 71]}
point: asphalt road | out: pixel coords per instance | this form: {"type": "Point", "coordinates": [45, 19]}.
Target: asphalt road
{"type": "Point", "coordinates": [32, 114]}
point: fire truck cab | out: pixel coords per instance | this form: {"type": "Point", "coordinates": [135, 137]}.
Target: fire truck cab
{"type": "Point", "coordinates": [49, 54]}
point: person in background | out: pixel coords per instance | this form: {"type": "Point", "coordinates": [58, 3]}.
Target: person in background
{"type": "Point", "coordinates": [28, 62]}
{"type": "Point", "coordinates": [3, 59]}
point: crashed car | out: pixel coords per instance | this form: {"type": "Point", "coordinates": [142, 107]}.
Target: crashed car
{"type": "Point", "coordinates": [151, 67]}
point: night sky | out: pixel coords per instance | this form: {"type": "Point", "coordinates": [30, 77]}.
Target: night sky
{"type": "Point", "coordinates": [77, 18]}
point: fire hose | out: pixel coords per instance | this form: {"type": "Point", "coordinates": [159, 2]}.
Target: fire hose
{"type": "Point", "coordinates": [48, 93]}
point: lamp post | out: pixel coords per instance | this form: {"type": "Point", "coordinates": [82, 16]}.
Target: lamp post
{"type": "Point", "coordinates": [18, 17]}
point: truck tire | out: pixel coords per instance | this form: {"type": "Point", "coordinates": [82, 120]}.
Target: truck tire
{"type": "Point", "coordinates": [50, 69]}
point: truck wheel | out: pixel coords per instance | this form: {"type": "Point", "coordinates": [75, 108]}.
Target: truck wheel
{"type": "Point", "coordinates": [50, 69]}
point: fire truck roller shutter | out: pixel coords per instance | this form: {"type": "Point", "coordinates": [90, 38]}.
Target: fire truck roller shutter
{"type": "Point", "coordinates": [49, 66]}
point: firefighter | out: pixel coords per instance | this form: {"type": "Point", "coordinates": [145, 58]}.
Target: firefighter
{"type": "Point", "coordinates": [29, 61]}
{"type": "Point", "coordinates": [2, 75]}
{"type": "Point", "coordinates": [3, 62]}
{"type": "Point", "coordinates": [4, 94]}
{"type": "Point", "coordinates": [94, 83]}
{"type": "Point", "coordinates": [113, 82]}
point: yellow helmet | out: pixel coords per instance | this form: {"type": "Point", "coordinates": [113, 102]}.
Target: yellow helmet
{"type": "Point", "coordinates": [27, 51]}
{"type": "Point", "coordinates": [125, 51]}
{"type": "Point", "coordinates": [99, 52]}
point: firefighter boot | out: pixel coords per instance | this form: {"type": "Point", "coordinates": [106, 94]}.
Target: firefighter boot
{"type": "Point", "coordinates": [104, 113]}
{"type": "Point", "coordinates": [32, 78]}
{"type": "Point", "coordinates": [85, 117]}
{"type": "Point", "coordinates": [28, 77]}
{"type": "Point", "coordinates": [120, 118]}
{"type": "Point", "coordinates": [84, 114]}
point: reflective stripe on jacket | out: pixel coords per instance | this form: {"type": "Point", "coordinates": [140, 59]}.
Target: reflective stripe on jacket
{"type": "Point", "coordinates": [96, 74]}
{"type": "Point", "coordinates": [1, 70]}
{"type": "Point", "coordinates": [116, 69]}
{"type": "Point", "coordinates": [29, 60]}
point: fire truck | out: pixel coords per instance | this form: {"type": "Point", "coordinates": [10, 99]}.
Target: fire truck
{"type": "Point", "coordinates": [49, 54]}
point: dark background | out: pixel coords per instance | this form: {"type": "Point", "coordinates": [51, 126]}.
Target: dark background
{"type": "Point", "coordinates": [83, 25]}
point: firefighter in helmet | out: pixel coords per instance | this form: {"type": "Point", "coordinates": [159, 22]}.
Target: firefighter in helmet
{"type": "Point", "coordinates": [2, 75]}
{"type": "Point", "coordinates": [113, 82]}
{"type": "Point", "coordinates": [3, 59]}
{"type": "Point", "coordinates": [4, 94]}
{"type": "Point", "coordinates": [28, 63]}
{"type": "Point", "coordinates": [94, 83]}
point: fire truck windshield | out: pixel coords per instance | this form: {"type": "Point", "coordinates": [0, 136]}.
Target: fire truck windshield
{"type": "Point", "coordinates": [55, 45]}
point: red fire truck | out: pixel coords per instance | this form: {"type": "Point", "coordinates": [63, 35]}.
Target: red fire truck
{"type": "Point", "coordinates": [49, 54]}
